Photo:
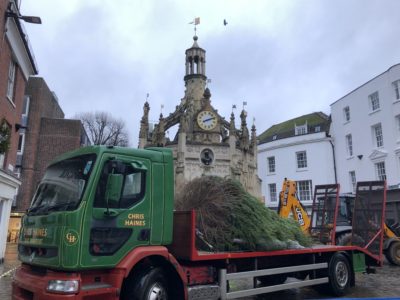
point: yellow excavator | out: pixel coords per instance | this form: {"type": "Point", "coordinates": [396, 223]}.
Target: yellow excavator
{"type": "Point", "coordinates": [289, 203]}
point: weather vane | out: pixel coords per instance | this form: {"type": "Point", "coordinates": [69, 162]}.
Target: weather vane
{"type": "Point", "coordinates": [196, 22]}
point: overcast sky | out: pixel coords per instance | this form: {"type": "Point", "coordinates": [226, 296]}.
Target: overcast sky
{"type": "Point", "coordinates": [284, 58]}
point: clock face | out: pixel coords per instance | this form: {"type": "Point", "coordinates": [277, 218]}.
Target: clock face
{"type": "Point", "coordinates": [207, 120]}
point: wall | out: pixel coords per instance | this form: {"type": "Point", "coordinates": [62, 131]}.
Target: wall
{"type": "Point", "coordinates": [366, 154]}
{"type": "Point", "coordinates": [319, 162]}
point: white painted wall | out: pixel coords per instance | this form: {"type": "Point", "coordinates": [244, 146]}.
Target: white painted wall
{"type": "Point", "coordinates": [359, 126]}
{"type": "Point", "coordinates": [8, 189]}
{"type": "Point", "coordinates": [319, 162]}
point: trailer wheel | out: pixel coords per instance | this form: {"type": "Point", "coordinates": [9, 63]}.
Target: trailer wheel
{"type": "Point", "coordinates": [147, 284]}
{"type": "Point", "coordinates": [339, 274]}
{"type": "Point", "coordinates": [393, 253]}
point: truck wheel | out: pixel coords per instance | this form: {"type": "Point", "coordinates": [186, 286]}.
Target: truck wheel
{"type": "Point", "coordinates": [147, 284]}
{"type": "Point", "coordinates": [339, 274]}
{"type": "Point", "coordinates": [393, 253]}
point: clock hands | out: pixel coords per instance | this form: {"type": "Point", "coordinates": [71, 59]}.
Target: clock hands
{"type": "Point", "coordinates": [209, 119]}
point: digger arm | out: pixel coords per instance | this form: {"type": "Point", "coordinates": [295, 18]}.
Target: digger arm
{"type": "Point", "coordinates": [389, 233]}
{"type": "Point", "coordinates": [290, 203]}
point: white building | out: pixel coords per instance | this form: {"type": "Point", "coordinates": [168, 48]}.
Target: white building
{"type": "Point", "coordinates": [299, 149]}
{"type": "Point", "coordinates": [366, 132]}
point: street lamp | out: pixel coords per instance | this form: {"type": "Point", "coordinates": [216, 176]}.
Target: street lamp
{"type": "Point", "coordinates": [28, 19]}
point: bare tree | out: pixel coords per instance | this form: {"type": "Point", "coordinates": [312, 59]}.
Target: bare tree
{"type": "Point", "coordinates": [103, 129]}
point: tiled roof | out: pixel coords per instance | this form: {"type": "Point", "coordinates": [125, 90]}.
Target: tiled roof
{"type": "Point", "coordinates": [287, 129]}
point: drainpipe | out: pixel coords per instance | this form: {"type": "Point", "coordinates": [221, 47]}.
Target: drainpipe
{"type": "Point", "coordinates": [334, 160]}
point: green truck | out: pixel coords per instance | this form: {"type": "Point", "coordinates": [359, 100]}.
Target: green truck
{"type": "Point", "coordinates": [101, 225]}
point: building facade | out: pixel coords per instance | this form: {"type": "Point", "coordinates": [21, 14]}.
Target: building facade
{"type": "Point", "coordinates": [44, 134]}
{"type": "Point", "coordinates": [366, 131]}
{"type": "Point", "coordinates": [16, 65]}
{"type": "Point", "coordinates": [299, 149]}
{"type": "Point", "coordinates": [205, 143]}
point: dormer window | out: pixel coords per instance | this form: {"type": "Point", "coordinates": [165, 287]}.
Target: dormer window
{"type": "Point", "coordinates": [302, 129]}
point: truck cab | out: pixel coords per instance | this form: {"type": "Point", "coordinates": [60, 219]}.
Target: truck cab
{"type": "Point", "coordinates": [95, 205]}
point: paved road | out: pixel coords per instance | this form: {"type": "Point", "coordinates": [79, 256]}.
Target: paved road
{"type": "Point", "coordinates": [385, 283]}
{"type": "Point", "coordinates": [6, 271]}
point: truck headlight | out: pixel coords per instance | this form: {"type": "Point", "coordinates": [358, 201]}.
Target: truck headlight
{"type": "Point", "coordinates": [63, 286]}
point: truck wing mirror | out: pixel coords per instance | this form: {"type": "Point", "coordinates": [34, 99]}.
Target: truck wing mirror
{"type": "Point", "coordinates": [138, 165]}
{"type": "Point", "coordinates": [113, 190]}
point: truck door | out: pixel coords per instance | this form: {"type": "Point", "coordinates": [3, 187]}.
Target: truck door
{"type": "Point", "coordinates": [118, 217]}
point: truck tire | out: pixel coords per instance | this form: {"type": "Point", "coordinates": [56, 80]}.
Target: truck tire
{"type": "Point", "coordinates": [392, 254]}
{"type": "Point", "coordinates": [147, 284]}
{"type": "Point", "coordinates": [340, 275]}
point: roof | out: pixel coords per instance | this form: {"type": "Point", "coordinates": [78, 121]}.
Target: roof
{"type": "Point", "coordinates": [394, 66]}
{"type": "Point", "coordinates": [287, 129]}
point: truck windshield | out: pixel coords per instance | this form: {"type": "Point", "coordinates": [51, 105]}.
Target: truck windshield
{"type": "Point", "coordinates": [63, 185]}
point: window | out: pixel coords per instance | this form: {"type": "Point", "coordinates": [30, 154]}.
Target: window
{"type": "Point", "coordinates": [2, 156]}
{"type": "Point", "coordinates": [302, 129]}
{"type": "Point", "coordinates": [11, 81]}
{"type": "Point", "coordinates": [349, 145]}
{"type": "Point", "coordinates": [396, 87]}
{"type": "Point", "coordinates": [374, 101]}
{"type": "Point", "coordinates": [380, 170]}
{"type": "Point", "coordinates": [271, 164]}
{"type": "Point", "coordinates": [133, 188]}
{"type": "Point", "coordinates": [317, 129]}
{"type": "Point", "coordinates": [21, 143]}
{"type": "Point", "coordinates": [304, 190]}
{"type": "Point", "coordinates": [346, 113]}
{"type": "Point", "coordinates": [353, 180]}
{"type": "Point", "coordinates": [397, 121]}
{"type": "Point", "coordinates": [301, 159]}
{"type": "Point", "coordinates": [272, 192]}
{"type": "Point", "coordinates": [378, 135]}
{"type": "Point", "coordinates": [25, 111]}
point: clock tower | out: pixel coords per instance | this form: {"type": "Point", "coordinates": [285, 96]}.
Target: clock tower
{"type": "Point", "coordinates": [205, 143]}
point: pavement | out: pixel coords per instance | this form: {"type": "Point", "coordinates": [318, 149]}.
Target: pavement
{"type": "Point", "coordinates": [7, 270]}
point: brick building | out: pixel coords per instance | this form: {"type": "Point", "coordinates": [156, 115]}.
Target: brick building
{"type": "Point", "coordinates": [44, 134]}
{"type": "Point", "coordinates": [16, 65]}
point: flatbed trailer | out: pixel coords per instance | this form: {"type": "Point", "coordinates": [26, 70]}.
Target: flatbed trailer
{"type": "Point", "coordinates": [144, 250]}
{"type": "Point", "coordinates": [206, 275]}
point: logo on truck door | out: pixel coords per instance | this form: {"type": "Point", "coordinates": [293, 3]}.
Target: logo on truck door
{"type": "Point", "coordinates": [71, 237]}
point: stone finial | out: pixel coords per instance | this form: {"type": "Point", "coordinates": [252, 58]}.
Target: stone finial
{"type": "Point", "coordinates": [253, 141]}
{"type": "Point", "coordinates": [244, 132]}
{"type": "Point", "coordinates": [232, 129]}
{"type": "Point", "coordinates": [144, 122]}
{"type": "Point", "coordinates": [159, 133]}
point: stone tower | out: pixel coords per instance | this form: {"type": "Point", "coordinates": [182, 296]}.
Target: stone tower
{"type": "Point", "coordinates": [205, 143]}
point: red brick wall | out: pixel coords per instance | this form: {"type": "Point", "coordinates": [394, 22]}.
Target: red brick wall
{"type": "Point", "coordinates": [12, 113]}
{"type": "Point", "coordinates": [56, 137]}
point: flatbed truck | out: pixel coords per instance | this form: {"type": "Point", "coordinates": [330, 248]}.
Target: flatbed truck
{"type": "Point", "coordinates": [102, 226]}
